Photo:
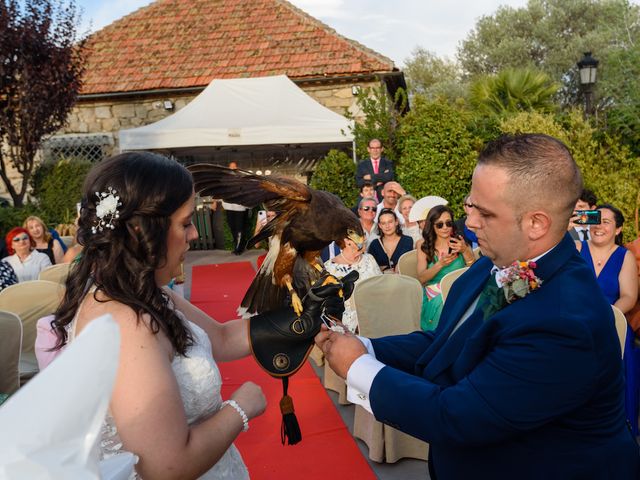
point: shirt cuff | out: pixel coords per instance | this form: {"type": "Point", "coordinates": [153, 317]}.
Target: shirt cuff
{"type": "Point", "coordinates": [360, 376]}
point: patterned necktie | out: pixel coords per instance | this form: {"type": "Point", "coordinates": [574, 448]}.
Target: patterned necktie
{"type": "Point", "coordinates": [585, 234]}
{"type": "Point", "coordinates": [375, 166]}
{"type": "Point", "coordinates": [491, 298]}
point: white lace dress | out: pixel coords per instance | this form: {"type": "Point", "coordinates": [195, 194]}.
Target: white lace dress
{"type": "Point", "coordinates": [366, 267]}
{"type": "Point", "coordinates": [200, 382]}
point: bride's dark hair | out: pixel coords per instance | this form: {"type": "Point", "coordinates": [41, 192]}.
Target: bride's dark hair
{"type": "Point", "coordinates": [122, 262]}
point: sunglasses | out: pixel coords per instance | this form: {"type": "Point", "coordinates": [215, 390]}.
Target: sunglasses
{"type": "Point", "coordinates": [439, 225]}
{"type": "Point", "coordinates": [20, 238]}
{"type": "Point", "coordinates": [367, 209]}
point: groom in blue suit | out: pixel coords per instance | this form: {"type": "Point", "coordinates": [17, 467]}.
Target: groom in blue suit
{"type": "Point", "coordinates": [525, 388]}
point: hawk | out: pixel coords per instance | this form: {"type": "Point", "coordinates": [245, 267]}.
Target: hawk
{"type": "Point", "coordinates": [306, 221]}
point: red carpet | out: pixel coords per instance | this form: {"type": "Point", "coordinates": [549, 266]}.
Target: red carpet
{"type": "Point", "coordinates": [327, 449]}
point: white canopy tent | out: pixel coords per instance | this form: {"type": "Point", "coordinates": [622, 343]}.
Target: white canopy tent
{"type": "Point", "coordinates": [243, 112]}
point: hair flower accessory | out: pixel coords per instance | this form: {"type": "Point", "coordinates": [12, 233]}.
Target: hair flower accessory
{"type": "Point", "coordinates": [518, 280]}
{"type": "Point", "coordinates": [106, 210]}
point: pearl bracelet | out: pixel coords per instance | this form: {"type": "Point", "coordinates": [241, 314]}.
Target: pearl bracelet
{"type": "Point", "coordinates": [238, 408]}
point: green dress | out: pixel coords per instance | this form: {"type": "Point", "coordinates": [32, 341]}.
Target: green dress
{"type": "Point", "coordinates": [432, 295]}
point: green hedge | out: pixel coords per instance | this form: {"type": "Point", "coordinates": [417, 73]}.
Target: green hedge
{"type": "Point", "coordinates": [438, 154]}
{"type": "Point", "coordinates": [336, 173]}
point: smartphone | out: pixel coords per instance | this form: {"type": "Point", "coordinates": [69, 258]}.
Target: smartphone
{"type": "Point", "coordinates": [262, 215]}
{"type": "Point", "coordinates": [588, 217]}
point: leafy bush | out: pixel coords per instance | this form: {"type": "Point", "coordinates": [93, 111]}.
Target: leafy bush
{"type": "Point", "coordinates": [59, 187]}
{"type": "Point", "coordinates": [438, 154]}
{"type": "Point", "coordinates": [336, 173]}
{"type": "Point", "coordinates": [14, 217]}
{"type": "Point", "coordinates": [608, 167]}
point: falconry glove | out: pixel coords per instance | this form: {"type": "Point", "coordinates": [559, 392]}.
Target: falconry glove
{"type": "Point", "coordinates": [281, 341]}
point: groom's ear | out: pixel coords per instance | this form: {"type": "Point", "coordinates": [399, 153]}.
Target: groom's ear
{"type": "Point", "coordinates": [536, 224]}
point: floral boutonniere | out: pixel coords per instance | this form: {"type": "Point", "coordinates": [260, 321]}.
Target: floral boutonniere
{"type": "Point", "coordinates": [518, 280]}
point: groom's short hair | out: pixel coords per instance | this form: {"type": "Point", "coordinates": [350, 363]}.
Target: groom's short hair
{"type": "Point", "coordinates": [542, 172]}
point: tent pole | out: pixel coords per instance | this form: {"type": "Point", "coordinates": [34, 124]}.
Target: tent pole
{"type": "Point", "coordinates": [353, 149]}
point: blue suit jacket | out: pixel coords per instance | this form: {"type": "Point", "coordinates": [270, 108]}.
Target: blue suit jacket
{"type": "Point", "coordinates": [535, 391]}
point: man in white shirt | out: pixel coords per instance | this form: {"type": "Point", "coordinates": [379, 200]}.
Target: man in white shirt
{"type": "Point", "coordinates": [521, 379]}
{"type": "Point", "coordinates": [391, 192]}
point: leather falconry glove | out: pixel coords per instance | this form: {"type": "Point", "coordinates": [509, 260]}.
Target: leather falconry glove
{"type": "Point", "coordinates": [281, 341]}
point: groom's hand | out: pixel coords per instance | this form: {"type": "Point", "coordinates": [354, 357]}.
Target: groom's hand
{"type": "Point", "coordinates": [340, 350]}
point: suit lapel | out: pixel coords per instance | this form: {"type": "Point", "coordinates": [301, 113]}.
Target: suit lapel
{"type": "Point", "coordinates": [463, 292]}
{"type": "Point", "coordinates": [446, 347]}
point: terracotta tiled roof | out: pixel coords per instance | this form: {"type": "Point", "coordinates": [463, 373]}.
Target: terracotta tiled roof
{"type": "Point", "coordinates": [188, 43]}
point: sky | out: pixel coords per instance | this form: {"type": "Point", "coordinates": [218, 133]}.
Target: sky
{"type": "Point", "coordinates": [392, 28]}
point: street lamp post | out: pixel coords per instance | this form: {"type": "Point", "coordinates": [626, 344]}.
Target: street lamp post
{"type": "Point", "coordinates": [588, 67]}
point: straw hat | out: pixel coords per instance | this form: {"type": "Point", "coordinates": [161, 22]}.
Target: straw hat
{"type": "Point", "coordinates": [420, 209]}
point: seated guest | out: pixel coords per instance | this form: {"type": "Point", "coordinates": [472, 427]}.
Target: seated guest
{"type": "Point", "coordinates": [45, 243]}
{"type": "Point", "coordinates": [440, 251]}
{"type": "Point", "coordinates": [366, 214]}
{"type": "Point", "coordinates": [391, 244]}
{"type": "Point", "coordinates": [25, 260]}
{"type": "Point", "coordinates": [7, 276]}
{"type": "Point", "coordinates": [409, 228]}
{"type": "Point", "coordinates": [391, 192]}
{"type": "Point", "coordinates": [367, 190]}
{"type": "Point", "coordinates": [461, 226]}
{"type": "Point", "coordinates": [616, 272]}
{"type": "Point", "coordinates": [349, 259]}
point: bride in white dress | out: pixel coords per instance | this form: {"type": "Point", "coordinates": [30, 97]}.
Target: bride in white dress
{"type": "Point", "coordinates": [135, 226]}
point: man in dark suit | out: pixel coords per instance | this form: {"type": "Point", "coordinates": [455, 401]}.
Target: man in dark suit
{"type": "Point", "coordinates": [530, 387]}
{"type": "Point", "coordinates": [587, 201]}
{"type": "Point", "coordinates": [376, 169]}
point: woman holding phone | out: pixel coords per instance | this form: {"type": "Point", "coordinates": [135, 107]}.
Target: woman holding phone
{"type": "Point", "coordinates": [439, 252]}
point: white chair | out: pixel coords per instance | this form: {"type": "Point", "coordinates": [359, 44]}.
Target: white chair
{"type": "Point", "coordinates": [387, 305]}
{"type": "Point", "coordinates": [10, 345]}
{"type": "Point", "coordinates": [408, 263]}
{"type": "Point", "coordinates": [55, 273]}
{"type": "Point", "coordinates": [621, 326]}
{"type": "Point", "coordinates": [448, 279]}
{"type": "Point", "coordinates": [30, 301]}
{"type": "Point", "coordinates": [477, 252]}
{"type": "Point", "coordinates": [68, 240]}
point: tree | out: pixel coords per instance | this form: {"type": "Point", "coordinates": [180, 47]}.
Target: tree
{"type": "Point", "coordinates": [41, 66]}
{"type": "Point", "coordinates": [380, 118]}
{"type": "Point", "coordinates": [608, 167]}
{"type": "Point", "coordinates": [432, 76]}
{"type": "Point", "coordinates": [336, 173]}
{"type": "Point", "coordinates": [438, 154]}
{"type": "Point", "coordinates": [512, 91]}
{"type": "Point", "coordinates": [550, 35]}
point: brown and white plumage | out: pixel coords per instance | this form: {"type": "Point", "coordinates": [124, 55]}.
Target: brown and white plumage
{"type": "Point", "coordinates": [306, 221]}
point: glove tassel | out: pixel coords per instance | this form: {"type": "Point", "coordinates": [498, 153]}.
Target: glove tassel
{"type": "Point", "coordinates": [290, 429]}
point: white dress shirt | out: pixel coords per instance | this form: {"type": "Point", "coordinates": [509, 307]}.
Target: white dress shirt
{"type": "Point", "coordinates": [30, 267]}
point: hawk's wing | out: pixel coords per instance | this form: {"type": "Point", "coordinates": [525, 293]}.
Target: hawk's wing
{"type": "Point", "coordinates": [246, 188]}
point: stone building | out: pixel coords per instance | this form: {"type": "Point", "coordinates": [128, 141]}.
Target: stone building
{"type": "Point", "coordinates": [154, 61]}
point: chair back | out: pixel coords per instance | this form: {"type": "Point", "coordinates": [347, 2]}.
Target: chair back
{"type": "Point", "coordinates": [621, 326]}
{"type": "Point", "coordinates": [448, 279]}
{"type": "Point", "coordinates": [30, 301]}
{"type": "Point", "coordinates": [10, 345]}
{"type": "Point", "coordinates": [67, 239]}
{"type": "Point", "coordinates": [56, 273]}
{"type": "Point", "coordinates": [388, 305]}
{"type": "Point", "coordinates": [477, 253]}
{"type": "Point", "coordinates": [408, 263]}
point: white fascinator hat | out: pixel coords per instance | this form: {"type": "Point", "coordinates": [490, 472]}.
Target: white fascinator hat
{"type": "Point", "coordinates": [420, 209]}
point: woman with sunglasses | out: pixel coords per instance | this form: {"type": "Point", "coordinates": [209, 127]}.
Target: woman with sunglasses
{"type": "Point", "coordinates": [392, 244]}
{"type": "Point", "coordinates": [25, 260]}
{"type": "Point", "coordinates": [439, 252]}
